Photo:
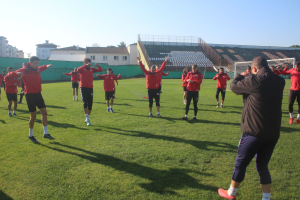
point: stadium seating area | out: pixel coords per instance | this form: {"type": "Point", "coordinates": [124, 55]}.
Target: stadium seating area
{"type": "Point", "coordinates": [238, 54]}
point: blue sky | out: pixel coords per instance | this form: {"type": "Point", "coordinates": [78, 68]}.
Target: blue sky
{"type": "Point", "coordinates": [83, 23]}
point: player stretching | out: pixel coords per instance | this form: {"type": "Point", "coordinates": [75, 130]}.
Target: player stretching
{"type": "Point", "coordinates": [160, 74]}
{"type": "Point", "coordinates": [31, 77]}
{"type": "Point", "coordinates": [86, 86]}
{"type": "Point", "coordinates": [1, 79]}
{"type": "Point", "coordinates": [193, 79]}
{"type": "Point", "coordinates": [11, 91]}
{"type": "Point", "coordinates": [276, 72]}
{"type": "Point", "coordinates": [75, 80]}
{"type": "Point", "coordinates": [152, 82]}
{"type": "Point", "coordinates": [295, 90]}
{"type": "Point", "coordinates": [261, 121]}
{"type": "Point", "coordinates": [221, 85]}
{"type": "Point", "coordinates": [109, 87]}
{"type": "Point", "coordinates": [184, 83]}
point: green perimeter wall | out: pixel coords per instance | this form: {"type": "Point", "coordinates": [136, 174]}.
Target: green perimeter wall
{"type": "Point", "coordinates": [55, 73]}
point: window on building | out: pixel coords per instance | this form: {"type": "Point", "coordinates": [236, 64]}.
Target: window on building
{"type": "Point", "coordinates": [42, 51]}
{"type": "Point", "coordinates": [104, 57]}
{"type": "Point", "coordinates": [92, 57]}
{"type": "Point", "coordinates": [116, 57]}
{"type": "Point", "coordinates": [124, 58]}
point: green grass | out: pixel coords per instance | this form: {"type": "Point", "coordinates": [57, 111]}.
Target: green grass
{"type": "Point", "coordinates": [127, 155]}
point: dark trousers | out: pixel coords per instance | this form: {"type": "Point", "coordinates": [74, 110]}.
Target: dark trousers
{"type": "Point", "coordinates": [87, 97]}
{"type": "Point", "coordinates": [293, 95]}
{"type": "Point", "coordinates": [189, 96]}
{"type": "Point", "coordinates": [153, 93]}
{"type": "Point", "coordinates": [222, 93]}
{"type": "Point", "coordinates": [249, 147]}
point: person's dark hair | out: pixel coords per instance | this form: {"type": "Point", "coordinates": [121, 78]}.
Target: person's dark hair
{"type": "Point", "coordinates": [87, 60]}
{"type": "Point", "coordinates": [108, 69]}
{"type": "Point", "coordinates": [221, 68]}
{"type": "Point", "coordinates": [34, 58]}
{"type": "Point", "coordinates": [272, 66]}
{"type": "Point", "coordinates": [185, 70]}
{"type": "Point", "coordinates": [297, 63]}
{"type": "Point", "coordinates": [10, 68]}
{"type": "Point", "coordinates": [248, 67]}
{"type": "Point", "coordinates": [259, 62]}
{"type": "Point", "coordinates": [194, 65]}
{"type": "Point", "coordinates": [3, 71]}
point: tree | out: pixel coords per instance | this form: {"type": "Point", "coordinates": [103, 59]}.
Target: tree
{"type": "Point", "coordinates": [96, 45]}
{"type": "Point", "coordinates": [111, 46]}
{"type": "Point", "coordinates": [297, 46]}
{"type": "Point", "coordinates": [122, 44]}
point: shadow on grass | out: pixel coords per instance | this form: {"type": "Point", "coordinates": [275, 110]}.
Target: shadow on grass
{"type": "Point", "coordinates": [202, 145]}
{"type": "Point", "coordinates": [4, 196]}
{"type": "Point", "coordinates": [2, 121]}
{"type": "Point", "coordinates": [289, 129]}
{"type": "Point", "coordinates": [162, 181]}
{"type": "Point", "coordinates": [27, 112]}
{"type": "Point", "coordinates": [58, 107]}
{"type": "Point", "coordinates": [117, 104]}
{"type": "Point", "coordinates": [220, 110]}
{"type": "Point", "coordinates": [55, 124]}
{"type": "Point", "coordinates": [136, 99]}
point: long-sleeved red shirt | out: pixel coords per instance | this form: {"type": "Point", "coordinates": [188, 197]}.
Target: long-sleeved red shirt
{"type": "Point", "coordinates": [222, 80]}
{"type": "Point", "coordinates": [108, 81]}
{"type": "Point", "coordinates": [197, 80]}
{"type": "Point", "coordinates": [31, 79]}
{"type": "Point", "coordinates": [277, 72]}
{"type": "Point", "coordinates": [152, 79]}
{"type": "Point", "coordinates": [1, 78]}
{"type": "Point", "coordinates": [74, 76]}
{"type": "Point", "coordinates": [160, 74]}
{"type": "Point", "coordinates": [184, 83]}
{"type": "Point", "coordinates": [295, 78]}
{"type": "Point", "coordinates": [86, 75]}
{"type": "Point", "coordinates": [10, 86]}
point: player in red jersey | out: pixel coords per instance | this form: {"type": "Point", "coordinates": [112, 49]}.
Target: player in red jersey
{"type": "Point", "coordinates": [31, 77]}
{"type": "Point", "coordinates": [276, 72]}
{"type": "Point", "coordinates": [152, 84]}
{"type": "Point", "coordinates": [184, 84]}
{"type": "Point", "coordinates": [86, 86]}
{"type": "Point", "coordinates": [193, 79]}
{"type": "Point", "coordinates": [1, 79]}
{"type": "Point", "coordinates": [160, 74]}
{"type": "Point", "coordinates": [221, 85]}
{"type": "Point", "coordinates": [75, 80]}
{"type": "Point", "coordinates": [11, 91]}
{"type": "Point", "coordinates": [295, 89]}
{"type": "Point", "coordinates": [109, 87]}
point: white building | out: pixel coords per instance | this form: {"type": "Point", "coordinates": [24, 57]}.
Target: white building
{"type": "Point", "coordinates": [73, 53]}
{"type": "Point", "coordinates": [43, 50]}
{"type": "Point", "coordinates": [3, 46]}
{"type": "Point", "coordinates": [20, 54]}
{"type": "Point", "coordinates": [133, 53]}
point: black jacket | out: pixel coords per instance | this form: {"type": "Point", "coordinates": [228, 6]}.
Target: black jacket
{"type": "Point", "coordinates": [262, 110]}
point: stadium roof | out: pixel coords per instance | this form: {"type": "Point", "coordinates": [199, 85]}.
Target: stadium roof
{"type": "Point", "coordinates": [67, 57]}
{"type": "Point", "coordinates": [71, 48]}
{"type": "Point", "coordinates": [121, 50]}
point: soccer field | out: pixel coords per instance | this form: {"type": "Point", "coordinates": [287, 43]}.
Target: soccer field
{"type": "Point", "coordinates": [128, 155]}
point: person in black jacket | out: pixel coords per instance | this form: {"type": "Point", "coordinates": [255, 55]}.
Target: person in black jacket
{"type": "Point", "coordinates": [260, 124]}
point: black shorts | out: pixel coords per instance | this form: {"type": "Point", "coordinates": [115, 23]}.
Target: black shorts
{"type": "Point", "coordinates": [35, 100]}
{"type": "Point", "coordinates": [12, 96]}
{"type": "Point", "coordinates": [74, 85]}
{"type": "Point", "coordinates": [87, 97]}
{"type": "Point", "coordinates": [184, 89]}
{"type": "Point", "coordinates": [153, 94]}
{"type": "Point", "coordinates": [293, 95]}
{"type": "Point", "coordinates": [223, 91]}
{"type": "Point", "coordinates": [109, 95]}
{"type": "Point", "coordinates": [159, 89]}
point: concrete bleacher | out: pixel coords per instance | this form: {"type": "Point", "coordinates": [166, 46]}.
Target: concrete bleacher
{"type": "Point", "coordinates": [180, 56]}
{"type": "Point", "coordinates": [247, 53]}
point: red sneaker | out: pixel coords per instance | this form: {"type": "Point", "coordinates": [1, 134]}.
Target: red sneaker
{"type": "Point", "coordinates": [291, 120]}
{"type": "Point", "coordinates": [298, 121]}
{"type": "Point", "coordinates": [223, 193]}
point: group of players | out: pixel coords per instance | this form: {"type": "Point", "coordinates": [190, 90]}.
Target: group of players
{"type": "Point", "coordinates": [191, 81]}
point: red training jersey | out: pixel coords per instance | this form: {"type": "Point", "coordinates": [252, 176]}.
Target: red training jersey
{"type": "Point", "coordinates": [160, 74]}
{"type": "Point", "coordinates": [10, 86]}
{"type": "Point", "coordinates": [108, 81]}
{"type": "Point", "coordinates": [86, 75]}
{"type": "Point", "coordinates": [1, 78]}
{"type": "Point", "coordinates": [222, 80]}
{"type": "Point", "coordinates": [197, 80]}
{"type": "Point", "coordinates": [295, 78]}
{"type": "Point", "coordinates": [184, 83]}
{"type": "Point", "coordinates": [74, 76]}
{"type": "Point", "coordinates": [277, 72]}
{"type": "Point", "coordinates": [31, 79]}
{"type": "Point", "coordinates": [152, 78]}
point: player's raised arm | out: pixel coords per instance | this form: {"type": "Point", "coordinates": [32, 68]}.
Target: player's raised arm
{"type": "Point", "coordinates": [163, 65]}
{"type": "Point", "coordinates": [216, 76]}
{"type": "Point", "coordinates": [118, 77]}
{"type": "Point", "coordinates": [142, 66]}
{"type": "Point", "coordinates": [100, 76]}
{"type": "Point", "coordinates": [99, 69]}
{"type": "Point", "coordinates": [165, 74]}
